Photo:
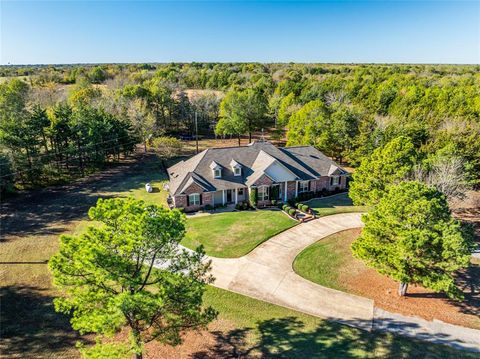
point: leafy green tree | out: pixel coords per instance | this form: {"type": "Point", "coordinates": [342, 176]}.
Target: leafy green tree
{"type": "Point", "coordinates": [286, 108]}
{"type": "Point", "coordinates": [97, 75]}
{"type": "Point", "coordinates": [83, 94]}
{"type": "Point", "coordinates": [167, 147]}
{"type": "Point", "coordinates": [109, 279]}
{"type": "Point", "coordinates": [242, 112]}
{"type": "Point", "coordinates": [343, 129]}
{"type": "Point", "coordinates": [411, 237]}
{"type": "Point", "coordinates": [309, 126]}
{"type": "Point", "coordinates": [6, 174]}
{"type": "Point", "coordinates": [387, 165]}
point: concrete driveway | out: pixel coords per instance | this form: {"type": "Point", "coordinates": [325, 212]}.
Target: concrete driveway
{"type": "Point", "coordinates": [266, 273]}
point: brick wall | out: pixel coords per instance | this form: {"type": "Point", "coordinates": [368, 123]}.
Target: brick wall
{"type": "Point", "coordinates": [180, 201]}
{"type": "Point", "coordinates": [207, 198]}
{"type": "Point", "coordinates": [194, 188]}
{"type": "Point", "coordinates": [291, 188]}
{"type": "Point", "coordinates": [319, 184]}
{"type": "Point", "coordinates": [263, 181]}
{"type": "Point", "coordinates": [342, 183]}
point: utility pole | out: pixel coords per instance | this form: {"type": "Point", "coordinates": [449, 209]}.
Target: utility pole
{"type": "Point", "coordinates": [196, 130]}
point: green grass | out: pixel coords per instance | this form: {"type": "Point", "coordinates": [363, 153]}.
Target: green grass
{"type": "Point", "coordinates": [323, 261]}
{"type": "Point", "coordinates": [234, 234]}
{"type": "Point", "coordinates": [265, 330]}
{"type": "Point", "coordinates": [340, 203]}
{"type": "Point", "coordinates": [135, 185]}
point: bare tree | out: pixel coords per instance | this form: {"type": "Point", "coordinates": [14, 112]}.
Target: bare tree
{"type": "Point", "coordinates": [336, 97]}
{"type": "Point", "coordinates": [447, 175]}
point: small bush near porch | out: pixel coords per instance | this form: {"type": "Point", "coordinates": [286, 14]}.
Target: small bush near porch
{"type": "Point", "coordinates": [234, 234]}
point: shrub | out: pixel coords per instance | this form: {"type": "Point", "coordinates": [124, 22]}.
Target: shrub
{"type": "Point", "coordinates": [208, 207]}
{"type": "Point", "coordinates": [292, 212]}
{"type": "Point", "coordinates": [324, 192]}
{"type": "Point", "coordinates": [274, 202]}
{"type": "Point", "coordinates": [337, 189]}
{"type": "Point", "coordinates": [274, 193]}
{"type": "Point", "coordinates": [245, 205]}
{"type": "Point", "coordinates": [285, 206]}
{"type": "Point", "coordinates": [305, 208]}
{"type": "Point", "coordinates": [253, 197]}
{"type": "Point", "coordinates": [291, 201]}
{"type": "Point", "coordinates": [238, 207]}
{"type": "Point", "coordinates": [181, 209]}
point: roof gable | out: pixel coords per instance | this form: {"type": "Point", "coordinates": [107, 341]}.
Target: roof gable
{"type": "Point", "coordinates": [256, 159]}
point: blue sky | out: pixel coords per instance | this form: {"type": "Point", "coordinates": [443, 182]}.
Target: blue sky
{"type": "Point", "coordinates": [154, 31]}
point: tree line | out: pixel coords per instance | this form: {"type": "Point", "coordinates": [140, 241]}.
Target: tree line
{"type": "Point", "coordinates": [346, 111]}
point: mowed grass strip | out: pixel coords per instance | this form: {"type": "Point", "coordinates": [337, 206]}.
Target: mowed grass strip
{"type": "Point", "coordinates": [325, 261]}
{"type": "Point", "coordinates": [339, 203]}
{"type": "Point", "coordinates": [234, 234]}
{"type": "Point", "coordinates": [267, 330]}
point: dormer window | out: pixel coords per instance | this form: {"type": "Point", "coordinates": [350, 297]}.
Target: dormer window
{"type": "Point", "coordinates": [236, 168]}
{"type": "Point", "coordinates": [217, 169]}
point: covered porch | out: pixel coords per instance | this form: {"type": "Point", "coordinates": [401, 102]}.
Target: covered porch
{"type": "Point", "coordinates": [230, 196]}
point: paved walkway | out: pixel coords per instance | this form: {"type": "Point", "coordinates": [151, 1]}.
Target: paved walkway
{"type": "Point", "coordinates": [266, 273]}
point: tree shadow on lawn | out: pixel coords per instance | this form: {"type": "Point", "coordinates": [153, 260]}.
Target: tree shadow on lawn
{"type": "Point", "coordinates": [30, 327]}
{"type": "Point", "coordinates": [288, 338]}
{"type": "Point", "coordinates": [48, 211]}
{"type": "Point", "coordinates": [468, 280]}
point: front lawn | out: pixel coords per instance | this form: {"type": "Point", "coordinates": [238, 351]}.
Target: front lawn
{"type": "Point", "coordinates": [324, 261]}
{"type": "Point", "coordinates": [234, 234]}
{"type": "Point", "coordinates": [339, 203]}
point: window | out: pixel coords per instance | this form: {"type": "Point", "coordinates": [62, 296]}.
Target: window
{"type": "Point", "coordinates": [335, 181]}
{"type": "Point", "coordinates": [217, 173]}
{"type": "Point", "coordinates": [194, 199]}
{"type": "Point", "coordinates": [263, 193]}
{"type": "Point", "coordinates": [303, 187]}
{"type": "Point", "coordinates": [240, 192]}
{"type": "Point", "coordinates": [237, 171]}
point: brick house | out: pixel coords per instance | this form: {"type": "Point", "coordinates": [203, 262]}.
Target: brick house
{"type": "Point", "coordinates": [227, 175]}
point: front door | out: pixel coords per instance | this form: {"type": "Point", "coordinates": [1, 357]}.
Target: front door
{"type": "Point", "coordinates": [229, 196]}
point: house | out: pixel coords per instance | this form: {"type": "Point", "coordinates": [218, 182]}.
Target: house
{"type": "Point", "coordinates": [227, 175]}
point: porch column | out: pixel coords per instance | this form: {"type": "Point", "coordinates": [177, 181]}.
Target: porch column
{"type": "Point", "coordinates": [236, 195]}
{"type": "Point", "coordinates": [285, 192]}
{"type": "Point", "coordinates": [223, 196]}
{"type": "Point", "coordinates": [296, 188]}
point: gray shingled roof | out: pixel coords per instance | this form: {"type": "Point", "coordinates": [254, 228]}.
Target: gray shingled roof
{"type": "Point", "coordinates": [305, 162]}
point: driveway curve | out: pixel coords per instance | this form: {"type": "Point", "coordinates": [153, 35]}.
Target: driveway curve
{"type": "Point", "coordinates": [266, 273]}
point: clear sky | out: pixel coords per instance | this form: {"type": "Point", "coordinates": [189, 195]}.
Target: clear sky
{"type": "Point", "coordinates": [155, 31]}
